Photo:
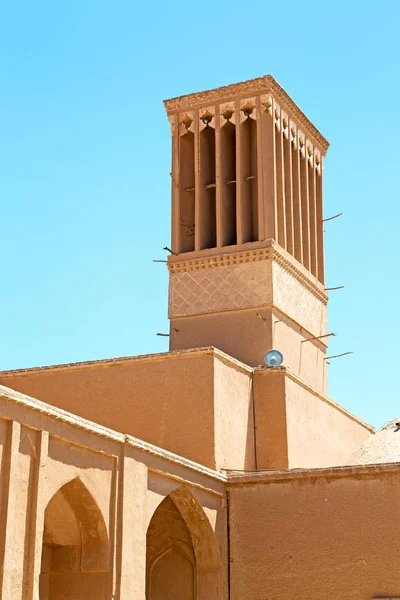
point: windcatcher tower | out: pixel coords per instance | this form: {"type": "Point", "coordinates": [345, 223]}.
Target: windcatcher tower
{"type": "Point", "coordinates": [247, 269]}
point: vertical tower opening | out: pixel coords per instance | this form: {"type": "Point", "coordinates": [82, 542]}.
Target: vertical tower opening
{"type": "Point", "coordinates": [280, 190]}
{"type": "Point", "coordinates": [287, 163]}
{"type": "Point", "coordinates": [297, 213]}
{"type": "Point", "coordinates": [249, 189]}
{"type": "Point", "coordinates": [208, 211]}
{"type": "Point", "coordinates": [228, 184]}
{"type": "Point", "coordinates": [186, 192]}
{"type": "Point", "coordinates": [305, 220]}
{"type": "Point", "coordinates": [313, 219]}
{"type": "Point", "coordinates": [320, 226]}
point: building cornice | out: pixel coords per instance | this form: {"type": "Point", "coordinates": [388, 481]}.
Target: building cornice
{"type": "Point", "coordinates": [260, 85]}
{"type": "Point", "coordinates": [271, 252]}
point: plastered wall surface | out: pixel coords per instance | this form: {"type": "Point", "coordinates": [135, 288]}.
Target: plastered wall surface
{"type": "Point", "coordinates": [298, 301]}
{"type": "Point", "coordinates": [248, 334]}
{"type": "Point", "coordinates": [270, 415]}
{"type": "Point", "coordinates": [60, 474]}
{"type": "Point", "coordinates": [246, 302]}
{"type": "Point", "coordinates": [234, 416]}
{"type": "Point", "coordinates": [239, 333]}
{"type": "Point", "coordinates": [319, 434]}
{"type": "Point", "coordinates": [220, 288]}
{"type": "Point", "coordinates": [306, 359]}
{"type": "Point", "coordinates": [316, 538]}
{"type": "Point", "coordinates": [296, 427]}
{"type": "Point", "coordinates": [175, 403]}
{"type": "Point", "coordinates": [147, 399]}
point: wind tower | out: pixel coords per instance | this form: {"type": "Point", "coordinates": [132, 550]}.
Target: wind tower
{"type": "Point", "coordinates": [247, 269]}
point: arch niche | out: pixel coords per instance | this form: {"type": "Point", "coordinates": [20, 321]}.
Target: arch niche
{"type": "Point", "coordinates": [75, 552]}
{"type": "Point", "coordinates": [182, 557]}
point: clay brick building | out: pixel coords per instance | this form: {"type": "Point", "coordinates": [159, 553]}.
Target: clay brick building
{"type": "Point", "coordinates": [202, 473]}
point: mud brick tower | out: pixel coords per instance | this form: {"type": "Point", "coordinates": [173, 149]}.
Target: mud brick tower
{"type": "Point", "coordinates": [247, 273]}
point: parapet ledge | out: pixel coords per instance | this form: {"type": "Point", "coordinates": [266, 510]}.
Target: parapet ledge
{"type": "Point", "coordinates": [282, 475]}
{"type": "Point", "coordinates": [112, 362]}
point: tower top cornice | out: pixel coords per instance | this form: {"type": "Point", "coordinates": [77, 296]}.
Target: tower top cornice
{"type": "Point", "coordinates": [252, 87]}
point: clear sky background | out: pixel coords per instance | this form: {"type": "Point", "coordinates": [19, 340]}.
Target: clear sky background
{"type": "Point", "coordinates": [85, 162]}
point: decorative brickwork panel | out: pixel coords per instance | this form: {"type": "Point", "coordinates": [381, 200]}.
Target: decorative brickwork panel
{"type": "Point", "coordinates": [216, 289]}
{"type": "Point", "coordinates": [298, 301]}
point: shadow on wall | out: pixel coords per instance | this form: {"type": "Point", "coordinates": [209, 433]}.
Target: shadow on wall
{"type": "Point", "coordinates": [75, 554]}
{"type": "Point", "coordinates": [182, 556]}
{"type": "Point", "coordinates": [251, 455]}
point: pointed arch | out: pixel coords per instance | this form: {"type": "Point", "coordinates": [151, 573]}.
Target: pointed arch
{"type": "Point", "coordinates": [182, 557]}
{"type": "Point", "coordinates": [75, 552]}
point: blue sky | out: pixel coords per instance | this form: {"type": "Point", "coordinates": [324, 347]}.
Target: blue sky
{"type": "Point", "coordinates": [85, 161]}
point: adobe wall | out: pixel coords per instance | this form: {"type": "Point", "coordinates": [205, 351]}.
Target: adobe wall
{"type": "Point", "coordinates": [320, 432]}
{"type": "Point", "coordinates": [297, 427]}
{"type": "Point", "coordinates": [311, 537]}
{"type": "Point", "coordinates": [246, 300]}
{"type": "Point", "coordinates": [122, 480]}
{"type": "Point", "coordinates": [176, 401]}
{"type": "Point", "coordinates": [238, 333]}
{"type": "Point", "coordinates": [233, 415]}
{"type": "Point", "coordinates": [306, 359]}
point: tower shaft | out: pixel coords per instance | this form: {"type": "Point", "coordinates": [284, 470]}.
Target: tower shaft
{"type": "Point", "coordinates": [247, 272]}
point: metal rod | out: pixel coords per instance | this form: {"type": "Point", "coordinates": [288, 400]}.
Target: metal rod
{"type": "Point", "coordinates": [318, 337]}
{"type": "Point", "coordinates": [163, 334]}
{"type": "Point", "coordinates": [229, 182]}
{"type": "Point", "coordinates": [164, 261]}
{"type": "Point", "coordinates": [249, 177]}
{"type": "Point", "coordinates": [339, 287]}
{"type": "Point", "coordinates": [209, 186]}
{"type": "Point", "coordinates": [337, 355]}
{"type": "Point", "coordinates": [330, 218]}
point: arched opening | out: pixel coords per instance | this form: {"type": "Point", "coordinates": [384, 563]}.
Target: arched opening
{"type": "Point", "coordinates": [75, 553]}
{"type": "Point", "coordinates": [182, 555]}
